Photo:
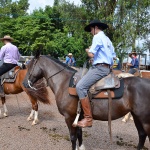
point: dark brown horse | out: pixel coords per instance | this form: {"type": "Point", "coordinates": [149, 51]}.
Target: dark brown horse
{"type": "Point", "coordinates": [17, 87]}
{"type": "Point", "coordinates": [136, 98]}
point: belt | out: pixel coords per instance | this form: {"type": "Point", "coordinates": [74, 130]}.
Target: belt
{"type": "Point", "coordinates": [103, 64]}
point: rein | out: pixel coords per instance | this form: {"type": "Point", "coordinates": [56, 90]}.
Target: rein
{"type": "Point", "coordinates": [56, 73]}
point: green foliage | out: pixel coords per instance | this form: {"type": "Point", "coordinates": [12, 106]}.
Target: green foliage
{"type": "Point", "coordinates": [59, 30]}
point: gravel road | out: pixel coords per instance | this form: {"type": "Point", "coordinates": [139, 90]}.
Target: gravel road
{"type": "Point", "coordinates": [52, 134]}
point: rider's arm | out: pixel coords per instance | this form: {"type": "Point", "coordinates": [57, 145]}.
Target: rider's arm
{"type": "Point", "coordinates": [73, 59]}
{"type": "Point", "coordinates": [18, 55]}
{"type": "Point", "coordinates": [112, 50]}
{"type": "Point", "coordinates": [67, 60]}
{"type": "Point", "coordinates": [96, 45]}
{"type": "Point", "coordinates": [91, 55]}
{"type": "Point", "coordinates": [2, 53]}
{"type": "Point", "coordinates": [132, 62]}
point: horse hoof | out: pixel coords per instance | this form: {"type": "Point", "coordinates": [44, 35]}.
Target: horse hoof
{"type": "Point", "coordinates": [82, 147]}
{"type": "Point", "coordinates": [74, 125]}
{"type": "Point", "coordinates": [123, 120]}
{"type": "Point", "coordinates": [131, 118]}
{"type": "Point", "coordinates": [5, 114]}
{"type": "Point", "coordinates": [29, 118]}
{"type": "Point", "coordinates": [35, 122]}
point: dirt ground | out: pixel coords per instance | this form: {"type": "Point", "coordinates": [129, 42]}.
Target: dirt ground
{"type": "Point", "coordinates": [52, 133]}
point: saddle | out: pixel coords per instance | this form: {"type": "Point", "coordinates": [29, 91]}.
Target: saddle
{"type": "Point", "coordinates": [99, 89]}
{"type": "Point", "coordinates": [10, 76]}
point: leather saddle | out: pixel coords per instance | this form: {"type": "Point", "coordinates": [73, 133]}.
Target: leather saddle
{"type": "Point", "coordinates": [10, 76]}
{"type": "Point", "coordinates": [99, 89]}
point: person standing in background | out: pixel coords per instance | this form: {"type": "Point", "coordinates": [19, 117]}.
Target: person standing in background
{"type": "Point", "coordinates": [116, 65]}
{"type": "Point", "coordinates": [134, 65]}
{"type": "Point", "coordinates": [70, 61]}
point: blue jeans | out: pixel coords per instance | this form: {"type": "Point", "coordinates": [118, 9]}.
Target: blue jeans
{"type": "Point", "coordinates": [94, 74]}
{"type": "Point", "coordinates": [132, 70]}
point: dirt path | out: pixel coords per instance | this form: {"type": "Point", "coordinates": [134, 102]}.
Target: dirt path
{"type": "Point", "coordinates": [52, 133]}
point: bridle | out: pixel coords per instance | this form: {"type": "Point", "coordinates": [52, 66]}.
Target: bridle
{"type": "Point", "coordinates": [30, 73]}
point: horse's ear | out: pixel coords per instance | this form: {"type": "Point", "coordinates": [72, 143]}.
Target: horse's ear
{"type": "Point", "coordinates": [38, 50]}
{"type": "Point", "coordinates": [37, 53]}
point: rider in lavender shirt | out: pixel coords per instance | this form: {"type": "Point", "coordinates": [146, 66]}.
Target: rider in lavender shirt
{"type": "Point", "coordinates": [9, 53]}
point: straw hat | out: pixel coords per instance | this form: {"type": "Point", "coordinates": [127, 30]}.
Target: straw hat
{"type": "Point", "coordinates": [6, 37]}
{"type": "Point", "coordinates": [95, 23]}
{"type": "Point", "coordinates": [134, 53]}
{"type": "Point", "coordinates": [70, 54]}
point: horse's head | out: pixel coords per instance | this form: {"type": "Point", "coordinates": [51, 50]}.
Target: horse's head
{"type": "Point", "coordinates": [34, 72]}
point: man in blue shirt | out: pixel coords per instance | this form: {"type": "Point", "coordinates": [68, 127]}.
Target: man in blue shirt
{"type": "Point", "coordinates": [134, 65]}
{"type": "Point", "coordinates": [102, 52]}
{"type": "Point", "coordinates": [70, 61]}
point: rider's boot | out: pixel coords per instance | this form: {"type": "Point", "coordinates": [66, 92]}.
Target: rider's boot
{"type": "Point", "coordinates": [87, 121]}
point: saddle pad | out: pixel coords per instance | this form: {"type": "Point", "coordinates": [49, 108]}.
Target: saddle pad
{"type": "Point", "coordinates": [115, 93]}
{"type": "Point", "coordinates": [10, 76]}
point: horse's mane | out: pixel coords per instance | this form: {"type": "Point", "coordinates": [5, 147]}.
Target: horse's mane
{"type": "Point", "coordinates": [61, 63]}
{"type": "Point", "coordinates": [41, 93]}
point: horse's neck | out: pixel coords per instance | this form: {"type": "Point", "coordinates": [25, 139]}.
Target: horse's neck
{"type": "Point", "coordinates": [60, 82]}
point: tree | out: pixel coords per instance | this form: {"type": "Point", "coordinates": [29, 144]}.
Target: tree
{"type": "Point", "coordinates": [60, 29]}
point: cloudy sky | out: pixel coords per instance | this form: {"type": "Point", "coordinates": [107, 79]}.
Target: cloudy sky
{"type": "Point", "coordinates": [35, 4]}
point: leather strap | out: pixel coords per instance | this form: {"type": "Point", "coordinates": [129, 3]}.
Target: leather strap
{"type": "Point", "coordinates": [109, 113]}
{"type": "Point", "coordinates": [103, 64]}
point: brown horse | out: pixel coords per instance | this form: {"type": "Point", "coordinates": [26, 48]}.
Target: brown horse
{"type": "Point", "coordinates": [136, 98]}
{"type": "Point", "coordinates": [17, 87]}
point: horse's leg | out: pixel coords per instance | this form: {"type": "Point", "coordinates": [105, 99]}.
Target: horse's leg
{"type": "Point", "coordinates": [35, 108]}
{"type": "Point", "coordinates": [79, 136]}
{"type": "Point", "coordinates": [34, 112]}
{"type": "Point", "coordinates": [1, 111]}
{"type": "Point", "coordinates": [73, 133]}
{"type": "Point", "coordinates": [31, 116]}
{"type": "Point", "coordinates": [141, 132]}
{"type": "Point", "coordinates": [4, 106]}
{"type": "Point", "coordinates": [146, 127]}
{"type": "Point", "coordinates": [126, 117]}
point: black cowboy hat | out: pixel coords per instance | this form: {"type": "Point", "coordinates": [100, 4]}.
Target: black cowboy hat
{"type": "Point", "coordinates": [134, 53]}
{"type": "Point", "coordinates": [95, 23]}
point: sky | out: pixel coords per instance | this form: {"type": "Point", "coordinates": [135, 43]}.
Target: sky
{"type": "Point", "coordinates": [35, 4]}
